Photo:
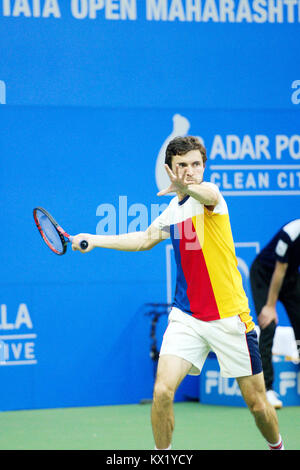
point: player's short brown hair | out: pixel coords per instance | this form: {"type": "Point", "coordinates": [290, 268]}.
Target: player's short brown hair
{"type": "Point", "coordinates": [182, 145]}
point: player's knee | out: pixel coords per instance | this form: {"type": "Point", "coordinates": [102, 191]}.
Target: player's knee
{"type": "Point", "coordinates": [258, 407]}
{"type": "Point", "coordinates": [163, 394]}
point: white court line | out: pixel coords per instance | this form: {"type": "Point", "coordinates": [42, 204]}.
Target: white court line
{"type": "Point", "coordinates": [248, 245]}
{"type": "Point", "coordinates": [254, 167]}
{"type": "Point", "coordinates": [18, 363]}
{"type": "Point", "coordinates": [169, 273]}
{"type": "Point", "coordinates": [260, 193]}
{"type": "Point", "coordinates": [29, 336]}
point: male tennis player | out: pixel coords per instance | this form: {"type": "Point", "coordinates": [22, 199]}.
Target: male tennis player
{"type": "Point", "coordinates": [210, 309]}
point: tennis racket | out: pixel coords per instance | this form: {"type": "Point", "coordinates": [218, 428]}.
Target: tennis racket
{"type": "Point", "coordinates": [52, 233]}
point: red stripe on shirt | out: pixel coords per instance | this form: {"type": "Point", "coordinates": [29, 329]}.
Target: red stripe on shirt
{"type": "Point", "coordinates": [199, 288]}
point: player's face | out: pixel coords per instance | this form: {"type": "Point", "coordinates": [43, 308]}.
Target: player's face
{"type": "Point", "coordinates": [192, 163]}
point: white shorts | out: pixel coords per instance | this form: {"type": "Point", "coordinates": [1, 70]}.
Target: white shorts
{"type": "Point", "coordinates": [192, 339]}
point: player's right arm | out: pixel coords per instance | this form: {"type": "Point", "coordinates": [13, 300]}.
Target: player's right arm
{"type": "Point", "coordinates": [133, 241]}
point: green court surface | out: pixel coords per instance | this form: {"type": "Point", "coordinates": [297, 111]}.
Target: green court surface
{"type": "Point", "coordinates": [127, 427]}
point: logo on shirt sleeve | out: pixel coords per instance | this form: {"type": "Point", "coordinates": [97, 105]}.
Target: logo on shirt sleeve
{"type": "Point", "coordinates": [281, 248]}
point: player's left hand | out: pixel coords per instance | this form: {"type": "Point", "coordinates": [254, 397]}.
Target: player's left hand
{"type": "Point", "coordinates": [179, 182]}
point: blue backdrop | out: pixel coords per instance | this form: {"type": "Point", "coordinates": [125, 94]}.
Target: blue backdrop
{"type": "Point", "coordinates": [90, 93]}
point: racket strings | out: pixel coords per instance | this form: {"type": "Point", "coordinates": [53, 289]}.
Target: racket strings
{"type": "Point", "coordinates": [49, 233]}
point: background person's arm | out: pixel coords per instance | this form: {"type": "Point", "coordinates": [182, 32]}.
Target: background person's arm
{"type": "Point", "coordinates": [268, 312]}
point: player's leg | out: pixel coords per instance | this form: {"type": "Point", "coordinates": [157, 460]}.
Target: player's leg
{"type": "Point", "coordinates": [183, 351]}
{"type": "Point", "coordinates": [171, 371]}
{"type": "Point", "coordinates": [238, 356]}
{"type": "Point", "coordinates": [254, 394]}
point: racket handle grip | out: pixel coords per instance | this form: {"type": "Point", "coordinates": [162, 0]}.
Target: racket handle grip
{"type": "Point", "coordinates": [84, 244]}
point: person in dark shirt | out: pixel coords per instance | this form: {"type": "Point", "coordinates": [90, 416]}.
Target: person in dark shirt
{"type": "Point", "coordinates": [274, 275]}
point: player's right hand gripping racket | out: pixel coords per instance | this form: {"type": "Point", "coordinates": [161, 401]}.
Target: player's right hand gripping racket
{"type": "Point", "coordinates": [52, 233]}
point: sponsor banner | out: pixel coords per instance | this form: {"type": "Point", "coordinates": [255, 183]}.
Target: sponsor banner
{"type": "Point", "coordinates": [17, 337]}
{"type": "Point", "coordinates": [217, 390]}
{"type": "Point", "coordinates": [118, 53]}
{"type": "Point", "coordinates": [247, 155]}
{"type": "Point", "coordinates": [216, 11]}
{"type": "Point", "coordinates": [287, 382]}
{"type": "Point", "coordinates": [96, 170]}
